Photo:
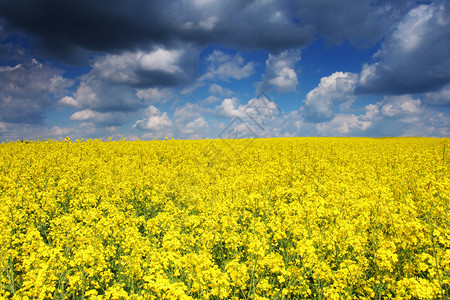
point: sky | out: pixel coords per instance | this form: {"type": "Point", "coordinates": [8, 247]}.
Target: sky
{"type": "Point", "coordinates": [196, 69]}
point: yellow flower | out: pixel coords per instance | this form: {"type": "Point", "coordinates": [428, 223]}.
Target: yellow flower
{"type": "Point", "coordinates": [333, 218]}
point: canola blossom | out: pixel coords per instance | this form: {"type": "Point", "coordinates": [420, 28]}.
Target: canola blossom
{"type": "Point", "coordinates": [287, 218]}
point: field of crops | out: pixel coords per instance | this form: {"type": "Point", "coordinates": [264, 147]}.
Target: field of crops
{"type": "Point", "coordinates": [289, 218]}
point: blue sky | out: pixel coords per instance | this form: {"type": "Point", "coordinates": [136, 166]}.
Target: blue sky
{"type": "Point", "coordinates": [206, 68]}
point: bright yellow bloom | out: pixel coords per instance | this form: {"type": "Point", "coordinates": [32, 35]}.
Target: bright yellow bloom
{"type": "Point", "coordinates": [292, 218]}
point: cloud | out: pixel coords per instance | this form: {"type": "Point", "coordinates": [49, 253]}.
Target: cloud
{"type": "Point", "coordinates": [155, 121]}
{"type": "Point", "coordinates": [207, 24]}
{"type": "Point", "coordinates": [187, 113]}
{"type": "Point", "coordinates": [405, 116]}
{"type": "Point", "coordinates": [10, 68]}
{"type": "Point", "coordinates": [392, 116]}
{"type": "Point", "coordinates": [69, 29]}
{"type": "Point", "coordinates": [216, 89]}
{"type": "Point", "coordinates": [319, 104]}
{"type": "Point", "coordinates": [209, 100]}
{"type": "Point", "coordinates": [128, 82]}
{"type": "Point", "coordinates": [101, 118]}
{"type": "Point", "coordinates": [244, 24]}
{"type": "Point", "coordinates": [157, 67]}
{"type": "Point", "coordinates": [138, 53]}
{"type": "Point", "coordinates": [224, 67]}
{"type": "Point", "coordinates": [402, 107]}
{"type": "Point", "coordinates": [414, 57]}
{"type": "Point", "coordinates": [259, 117]}
{"type": "Point", "coordinates": [343, 125]}
{"type": "Point", "coordinates": [97, 95]}
{"type": "Point", "coordinates": [280, 71]}
{"type": "Point", "coordinates": [197, 127]}
{"type": "Point", "coordinates": [229, 108]}
{"type": "Point", "coordinates": [187, 122]}
{"type": "Point", "coordinates": [155, 95]}
{"type": "Point", "coordinates": [256, 109]}
{"type": "Point", "coordinates": [69, 101]}
{"type": "Point", "coordinates": [27, 89]}
{"type": "Point", "coordinates": [441, 97]}
{"type": "Point", "coordinates": [43, 131]}
{"type": "Point", "coordinates": [362, 22]}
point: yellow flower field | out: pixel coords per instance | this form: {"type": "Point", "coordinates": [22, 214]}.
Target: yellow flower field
{"type": "Point", "coordinates": [288, 218]}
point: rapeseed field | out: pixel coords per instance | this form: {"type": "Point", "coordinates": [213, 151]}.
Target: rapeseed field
{"type": "Point", "coordinates": [288, 218]}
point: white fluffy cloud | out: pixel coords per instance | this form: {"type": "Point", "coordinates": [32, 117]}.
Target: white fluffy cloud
{"type": "Point", "coordinates": [216, 89]}
{"type": "Point", "coordinates": [229, 108]}
{"type": "Point", "coordinates": [187, 122]}
{"type": "Point", "coordinates": [286, 80]}
{"type": "Point", "coordinates": [392, 116]}
{"type": "Point", "coordinates": [280, 71]}
{"type": "Point", "coordinates": [187, 113]}
{"type": "Point", "coordinates": [405, 116]}
{"type": "Point", "coordinates": [101, 118]}
{"type": "Point", "coordinates": [155, 121]}
{"type": "Point", "coordinates": [159, 66]}
{"type": "Point", "coordinates": [259, 117]}
{"type": "Point", "coordinates": [402, 107]}
{"type": "Point", "coordinates": [343, 125]}
{"type": "Point", "coordinates": [258, 108]}
{"type": "Point", "coordinates": [209, 100]}
{"type": "Point", "coordinates": [197, 127]}
{"type": "Point", "coordinates": [336, 88]}
{"type": "Point", "coordinates": [223, 66]}
{"type": "Point", "coordinates": [155, 95]}
{"type": "Point", "coordinates": [129, 82]}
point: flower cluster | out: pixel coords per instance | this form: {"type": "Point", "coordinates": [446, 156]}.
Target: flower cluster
{"type": "Point", "coordinates": [288, 218]}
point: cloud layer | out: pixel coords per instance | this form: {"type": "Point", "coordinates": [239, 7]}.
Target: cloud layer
{"type": "Point", "coordinates": [415, 56]}
{"type": "Point", "coordinates": [26, 89]}
{"type": "Point", "coordinates": [336, 88]}
{"type": "Point", "coordinates": [191, 69]}
{"type": "Point", "coordinates": [67, 28]}
{"type": "Point", "coordinates": [281, 71]}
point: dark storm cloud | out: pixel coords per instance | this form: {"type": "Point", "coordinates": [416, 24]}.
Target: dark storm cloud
{"type": "Point", "coordinates": [67, 28]}
{"type": "Point", "coordinates": [415, 55]}
{"type": "Point", "coordinates": [362, 22]}
{"type": "Point", "coordinates": [269, 25]}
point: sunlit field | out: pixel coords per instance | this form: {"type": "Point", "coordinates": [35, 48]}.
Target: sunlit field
{"type": "Point", "coordinates": [290, 218]}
